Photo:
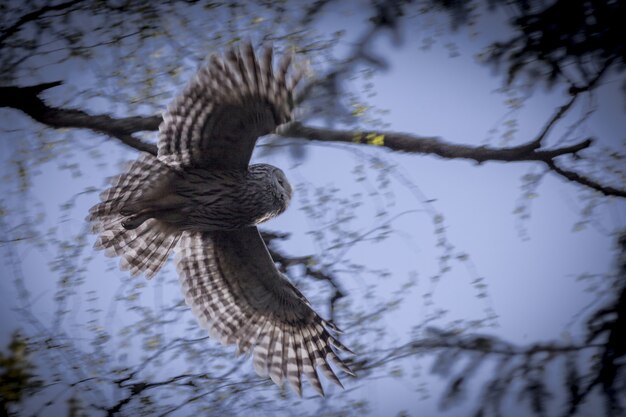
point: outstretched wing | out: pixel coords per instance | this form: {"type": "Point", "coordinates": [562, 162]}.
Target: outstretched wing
{"type": "Point", "coordinates": [230, 102]}
{"type": "Point", "coordinates": [235, 290]}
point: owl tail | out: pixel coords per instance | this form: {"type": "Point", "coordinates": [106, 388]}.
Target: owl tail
{"type": "Point", "coordinates": [143, 243]}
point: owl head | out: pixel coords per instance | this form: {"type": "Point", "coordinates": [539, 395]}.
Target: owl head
{"type": "Point", "coordinates": [276, 181]}
{"type": "Point", "coordinates": [283, 185]}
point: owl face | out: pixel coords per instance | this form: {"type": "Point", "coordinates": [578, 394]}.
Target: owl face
{"type": "Point", "coordinates": [282, 185]}
{"type": "Point", "coordinates": [272, 181]}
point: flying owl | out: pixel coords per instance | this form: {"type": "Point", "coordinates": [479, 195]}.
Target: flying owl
{"type": "Point", "coordinates": [200, 198]}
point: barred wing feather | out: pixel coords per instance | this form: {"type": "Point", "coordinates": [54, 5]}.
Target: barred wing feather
{"type": "Point", "coordinates": [146, 248]}
{"type": "Point", "coordinates": [251, 304]}
{"type": "Point", "coordinates": [230, 102]}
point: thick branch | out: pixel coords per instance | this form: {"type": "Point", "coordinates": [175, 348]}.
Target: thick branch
{"type": "Point", "coordinates": [406, 142]}
{"type": "Point", "coordinates": [27, 100]}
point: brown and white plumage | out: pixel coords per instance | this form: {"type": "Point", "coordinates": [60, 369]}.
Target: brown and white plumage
{"type": "Point", "coordinates": [217, 119]}
{"type": "Point", "coordinates": [147, 247]}
{"type": "Point", "coordinates": [200, 197]}
{"type": "Point", "coordinates": [235, 290]}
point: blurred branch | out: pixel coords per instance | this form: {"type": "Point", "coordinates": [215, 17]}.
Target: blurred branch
{"type": "Point", "coordinates": [609, 325]}
{"type": "Point", "coordinates": [429, 145]}
{"type": "Point", "coordinates": [523, 368]}
{"type": "Point", "coordinates": [458, 357]}
{"type": "Point", "coordinates": [529, 151]}
{"type": "Point", "coordinates": [34, 15]}
{"type": "Point", "coordinates": [575, 92]}
{"type": "Point", "coordinates": [583, 180]}
{"type": "Point", "coordinates": [406, 142]}
{"type": "Point", "coordinates": [561, 40]}
{"type": "Point", "coordinates": [186, 379]}
{"type": "Point", "coordinates": [27, 100]}
{"type": "Point", "coordinates": [386, 17]}
{"type": "Point", "coordinates": [138, 388]}
{"type": "Point", "coordinates": [482, 344]}
{"type": "Point", "coordinates": [312, 11]}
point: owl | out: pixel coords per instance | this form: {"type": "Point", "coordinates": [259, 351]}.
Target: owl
{"type": "Point", "coordinates": [200, 198]}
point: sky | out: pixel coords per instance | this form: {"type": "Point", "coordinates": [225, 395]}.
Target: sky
{"type": "Point", "coordinates": [529, 266]}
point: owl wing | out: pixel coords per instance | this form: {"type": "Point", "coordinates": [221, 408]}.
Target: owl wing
{"type": "Point", "coordinates": [230, 102]}
{"type": "Point", "coordinates": [251, 304]}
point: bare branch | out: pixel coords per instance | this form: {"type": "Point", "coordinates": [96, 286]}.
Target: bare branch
{"type": "Point", "coordinates": [411, 143]}
{"type": "Point", "coordinates": [27, 100]}
{"type": "Point", "coordinates": [29, 17]}
{"type": "Point", "coordinates": [582, 180]}
{"type": "Point", "coordinates": [555, 118]}
{"type": "Point", "coordinates": [482, 344]}
{"type": "Point", "coordinates": [312, 11]}
{"type": "Point", "coordinates": [386, 17]}
{"type": "Point", "coordinates": [406, 142]}
{"type": "Point", "coordinates": [575, 92]}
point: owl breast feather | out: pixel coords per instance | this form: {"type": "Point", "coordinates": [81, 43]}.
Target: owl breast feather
{"type": "Point", "coordinates": [226, 200]}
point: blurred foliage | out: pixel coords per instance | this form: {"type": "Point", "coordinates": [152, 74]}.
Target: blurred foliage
{"type": "Point", "coordinates": [524, 371]}
{"type": "Point", "coordinates": [17, 374]}
{"type": "Point", "coordinates": [552, 41]}
{"type": "Point", "coordinates": [564, 39]}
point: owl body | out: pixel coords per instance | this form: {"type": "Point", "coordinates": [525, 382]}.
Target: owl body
{"type": "Point", "coordinates": [200, 197]}
{"type": "Point", "coordinates": [202, 200]}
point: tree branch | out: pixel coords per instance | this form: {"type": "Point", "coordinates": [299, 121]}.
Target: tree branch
{"type": "Point", "coordinates": [29, 17]}
{"type": "Point", "coordinates": [406, 142]}
{"type": "Point", "coordinates": [487, 345]}
{"type": "Point", "coordinates": [27, 100]}
{"type": "Point", "coordinates": [575, 92]}
{"type": "Point", "coordinates": [587, 182]}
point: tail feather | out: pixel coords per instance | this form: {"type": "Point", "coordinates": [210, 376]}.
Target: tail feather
{"type": "Point", "coordinates": [143, 243]}
{"type": "Point", "coordinates": [142, 175]}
